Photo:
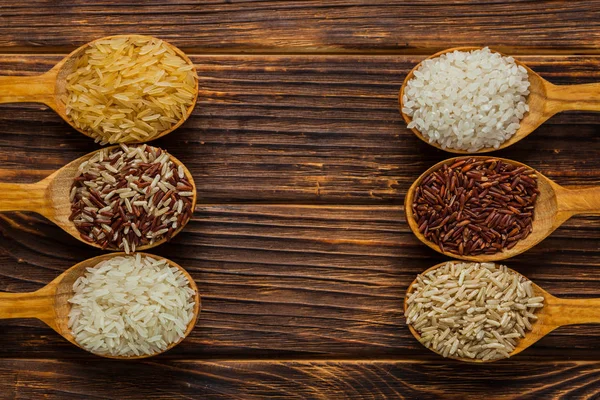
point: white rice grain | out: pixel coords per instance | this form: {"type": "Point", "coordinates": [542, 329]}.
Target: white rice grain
{"type": "Point", "coordinates": [467, 100]}
{"type": "Point", "coordinates": [142, 314]}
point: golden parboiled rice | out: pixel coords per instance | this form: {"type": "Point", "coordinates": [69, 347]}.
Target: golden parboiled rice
{"type": "Point", "coordinates": [129, 89]}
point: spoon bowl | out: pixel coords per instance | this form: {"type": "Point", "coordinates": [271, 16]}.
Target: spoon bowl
{"type": "Point", "coordinates": [555, 204]}
{"type": "Point", "coordinates": [556, 312]}
{"type": "Point", "coordinates": [50, 304]}
{"type": "Point", "coordinates": [545, 99]}
{"type": "Point", "coordinates": [51, 87]}
{"type": "Point", "coordinates": [50, 197]}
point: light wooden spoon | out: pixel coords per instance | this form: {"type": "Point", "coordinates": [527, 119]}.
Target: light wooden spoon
{"type": "Point", "coordinates": [50, 304]}
{"type": "Point", "coordinates": [555, 204]}
{"type": "Point", "coordinates": [545, 99]}
{"type": "Point", "coordinates": [556, 312]}
{"type": "Point", "coordinates": [50, 197]}
{"type": "Point", "coordinates": [50, 87]}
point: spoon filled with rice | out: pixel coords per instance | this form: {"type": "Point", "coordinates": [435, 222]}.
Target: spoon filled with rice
{"type": "Point", "coordinates": [117, 89]}
{"type": "Point", "coordinates": [483, 312]}
{"type": "Point", "coordinates": [115, 305]}
{"type": "Point", "coordinates": [475, 100]}
{"type": "Point", "coordinates": [120, 198]}
{"type": "Point", "coordinates": [482, 208]}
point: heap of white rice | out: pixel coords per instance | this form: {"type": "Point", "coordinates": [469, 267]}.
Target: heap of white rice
{"type": "Point", "coordinates": [467, 100]}
{"type": "Point", "coordinates": [126, 90]}
{"type": "Point", "coordinates": [131, 306]}
{"type": "Point", "coordinates": [472, 310]}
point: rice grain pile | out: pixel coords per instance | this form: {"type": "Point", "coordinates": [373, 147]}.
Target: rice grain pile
{"type": "Point", "coordinates": [130, 306]}
{"type": "Point", "coordinates": [467, 100]}
{"type": "Point", "coordinates": [125, 90]}
{"type": "Point", "coordinates": [130, 196]}
{"type": "Point", "coordinates": [472, 310]}
{"type": "Point", "coordinates": [476, 205]}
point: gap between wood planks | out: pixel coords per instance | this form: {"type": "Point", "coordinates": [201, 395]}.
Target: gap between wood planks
{"type": "Point", "coordinates": [299, 360]}
{"type": "Point", "coordinates": [324, 51]}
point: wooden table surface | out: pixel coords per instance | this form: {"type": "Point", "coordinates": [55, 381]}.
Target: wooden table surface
{"type": "Point", "coordinates": [299, 244]}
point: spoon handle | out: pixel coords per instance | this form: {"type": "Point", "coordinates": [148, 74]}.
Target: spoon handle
{"type": "Point", "coordinates": [579, 200]}
{"type": "Point", "coordinates": [37, 304]}
{"type": "Point", "coordinates": [585, 97]}
{"type": "Point", "coordinates": [24, 89]}
{"type": "Point", "coordinates": [24, 197]}
{"type": "Point", "coordinates": [574, 311]}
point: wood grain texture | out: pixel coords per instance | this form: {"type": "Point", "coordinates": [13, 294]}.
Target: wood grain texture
{"type": "Point", "coordinates": [307, 26]}
{"type": "Point", "coordinates": [298, 282]}
{"type": "Point", "coordinates": [302, 129]}
{"type": "Point", "coordinates": [192, 379]}
{"type": "Point", "coordinates": [301, 159]}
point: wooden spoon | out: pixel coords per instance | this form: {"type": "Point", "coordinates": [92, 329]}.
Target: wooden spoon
{"type": "Point", "coordinates": [555, 204]}
{"type": "Point", "coordinates": [50, 197]}
{"type": "Point", "coordinates": [545, 99]}
{"type": "Point", "coordinates": [50, 87]}
{"type": "Point", "coordinates": [50, 303]}
{"type": "Point", "coordinates": [556, 312]}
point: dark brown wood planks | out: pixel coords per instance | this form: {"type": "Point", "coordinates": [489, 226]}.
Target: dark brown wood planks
{"type": "Point", "coordinates": [300, 282]}
{"type": "Point", "coordinates": [337, 26]}
{"type": "Point", "coordinates": [302, 129]}
{"type": "Point", "coordinates": [22, 379]}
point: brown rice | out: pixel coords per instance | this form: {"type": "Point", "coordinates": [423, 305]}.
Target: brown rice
{"type": "Point", "coordinates": [472, 310]}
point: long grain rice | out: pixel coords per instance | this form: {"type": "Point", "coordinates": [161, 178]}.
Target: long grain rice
{"type": "Point", "coordinates": [484, 319]}
{"type": "Point", "coordinates": [129, 89]}
{"type": "Point", "coordinates": [130, 306]}
{"type": "Point", "coordinates": [113, 205]}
